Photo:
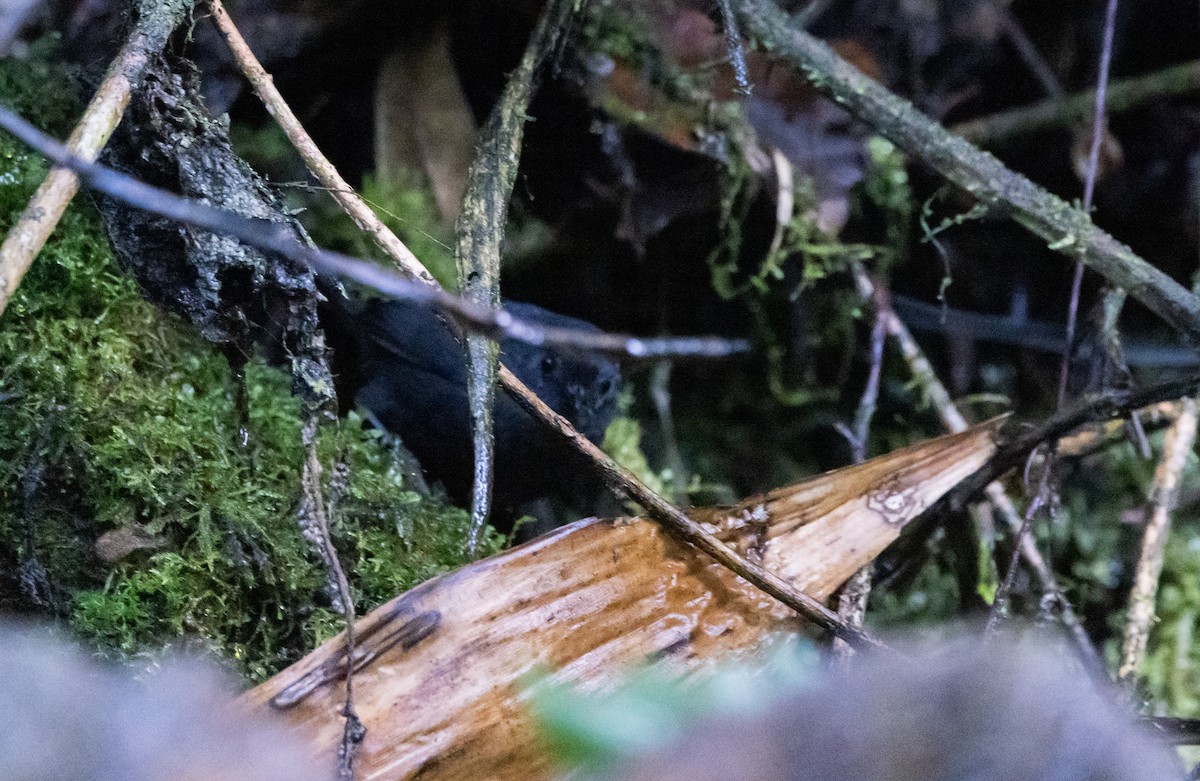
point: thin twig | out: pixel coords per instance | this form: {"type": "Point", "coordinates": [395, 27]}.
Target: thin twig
{"type": "Point", "coordinates": [1109, 405]}
{"type": "Point", "coordinates": [1046, 484]}
{"type": "Point", "coordinates": [1027, 52]}
{"type": "Point", "coordinates": [1064, 228]}
{"type": "Point", "coordinates": [316, 525]}
{"type": "Point", "coordinates": [1099, 128]}
{"type": "Point", "coordinates": [319, 165]}
{"type": "Point", "coordinates": [660, 395]}
{"type": "Point", "coordinates": [852, 601]}
{"type": "Point", "coordinates": [41, 215]}
{"type": "Point", "coordinates": [1040, 500]}
{"type": "Point", "coordinates": [1164, 491]}
{"type": "Point", "coordinates": [1019, 123]}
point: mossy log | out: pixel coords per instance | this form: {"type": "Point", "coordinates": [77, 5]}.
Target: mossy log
{"type": "Point", "coordinates": [439, 670]}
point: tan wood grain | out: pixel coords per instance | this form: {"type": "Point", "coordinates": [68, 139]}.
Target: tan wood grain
{"type": "Point", "coordinates": [439, 670]}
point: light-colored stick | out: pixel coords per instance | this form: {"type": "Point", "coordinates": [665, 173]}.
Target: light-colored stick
{"type": "Point", "coordinates": [41, 215]}
{"type": "Point", "coordinates": [1164, 490]}
{"type": "Point", "coordinates": [318, 164]}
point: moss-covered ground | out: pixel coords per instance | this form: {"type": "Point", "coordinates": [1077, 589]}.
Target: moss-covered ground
{"type": "Point", "coordinates": [131, 505]}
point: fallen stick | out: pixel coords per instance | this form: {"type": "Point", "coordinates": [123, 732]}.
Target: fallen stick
{"type": "Point", "coordinates": [439, 670]}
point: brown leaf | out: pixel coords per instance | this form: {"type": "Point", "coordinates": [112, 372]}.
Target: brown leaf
{"type": "Point", "coordinates": [422, 120]}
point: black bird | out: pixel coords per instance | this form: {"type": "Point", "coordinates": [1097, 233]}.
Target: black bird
{"type": "Point", "coordinates": [400, 362]}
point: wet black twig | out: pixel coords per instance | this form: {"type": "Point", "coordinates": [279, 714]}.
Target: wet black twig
{"type": "Point", "coordinates": [735, 47]}
{"type": "Point", "coordinates": [1110, 405]}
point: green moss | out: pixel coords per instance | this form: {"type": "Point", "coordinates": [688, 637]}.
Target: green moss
{"type": "Point", "coordinates": [623, 441]}
{"type": "Point", "coordinates": [405, 206]}
{"type": "Point", "coordinates": [116, 416]}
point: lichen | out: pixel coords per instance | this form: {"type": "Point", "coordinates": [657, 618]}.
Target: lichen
{"type": "Point", "coordinates": [117, 415]}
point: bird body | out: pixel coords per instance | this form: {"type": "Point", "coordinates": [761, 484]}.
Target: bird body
{"type": "Point", "coordinates": [400, 362]}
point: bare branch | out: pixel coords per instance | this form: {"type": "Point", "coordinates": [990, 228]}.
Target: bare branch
{"type": "Point", "coordinates": [1163, 493]}
{"type": "Point", "coordinates": [318, 164]}
{"type": "Point", "coordinates": [1066, 229]}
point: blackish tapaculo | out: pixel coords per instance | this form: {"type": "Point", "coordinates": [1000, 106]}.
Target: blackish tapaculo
{"type": "Point", "coordinates": [400, 362]}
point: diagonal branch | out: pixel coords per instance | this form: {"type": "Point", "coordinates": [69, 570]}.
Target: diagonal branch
{"type": "Point", "coordinates": [318, 164]}
{"type": "Point", "coordinates": [1020, 123]}
{"type": "Point", "coordinates": [1066, 229]}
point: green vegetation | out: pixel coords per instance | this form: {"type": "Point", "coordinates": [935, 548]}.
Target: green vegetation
{"type": "Point", "coordinates": [118, 419]}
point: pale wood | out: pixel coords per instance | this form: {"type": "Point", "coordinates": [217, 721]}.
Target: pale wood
{"type": "Point", "coordinates": [1164, 492]}
{"type": "Point", "coordinates": [439, 669]}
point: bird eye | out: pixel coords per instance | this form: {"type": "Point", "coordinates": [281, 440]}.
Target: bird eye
{"type": "Point", "coordinates": [605, 387]}
{"type": "Point", "coordinates": [548, 364]}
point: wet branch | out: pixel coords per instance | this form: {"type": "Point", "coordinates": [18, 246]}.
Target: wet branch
{"type": "Point", "coordinates": [1066, 229]}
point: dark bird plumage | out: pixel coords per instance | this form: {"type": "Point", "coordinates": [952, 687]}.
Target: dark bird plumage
{"type": "Point", "coordinates": [400, 362]}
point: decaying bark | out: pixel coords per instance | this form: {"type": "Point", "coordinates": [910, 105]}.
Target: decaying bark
{"type": "Point", "coordinates": [438, 670]}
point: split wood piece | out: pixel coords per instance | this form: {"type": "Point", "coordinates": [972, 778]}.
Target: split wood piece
{"type": "Point", "coordinates": [438, 671]}
{"type": "Point", "coordinates": [41, 215]}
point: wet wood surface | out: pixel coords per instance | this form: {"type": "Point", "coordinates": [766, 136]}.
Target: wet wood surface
{"type": "Point", "coordinates": [439, 670]}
